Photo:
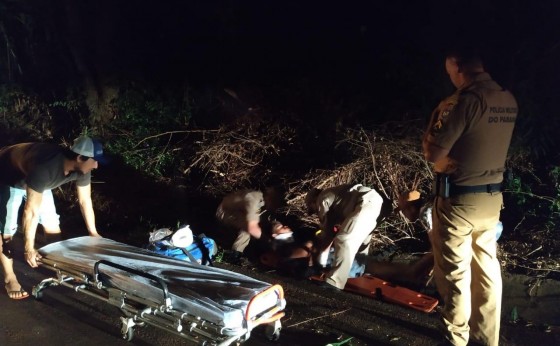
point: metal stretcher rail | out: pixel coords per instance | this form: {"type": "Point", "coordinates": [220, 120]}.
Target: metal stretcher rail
{"type": "Point", "coordinates": [96, 274]}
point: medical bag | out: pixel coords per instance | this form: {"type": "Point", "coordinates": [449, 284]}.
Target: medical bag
{"type": "Point", "coordinates": [201, 249]}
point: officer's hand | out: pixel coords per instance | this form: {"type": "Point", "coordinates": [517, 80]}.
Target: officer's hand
{"type": "Point", "coordinates": [31, 257]}
{"type": "Point", "coordinates": [95, 234]}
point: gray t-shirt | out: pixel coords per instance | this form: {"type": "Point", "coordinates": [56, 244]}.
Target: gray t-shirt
{"type": "Point", "coordinates": [39, 166]}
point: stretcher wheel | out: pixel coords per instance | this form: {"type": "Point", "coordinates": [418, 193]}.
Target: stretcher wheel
{"type": "Point", "coordinates": [129, 335]}
{"type": "Point", "coordinates": [272, 331]}
{"type": "Point", "coordinates": [37, 293]}
{"type": "Point", "coordinates": [127, 328]}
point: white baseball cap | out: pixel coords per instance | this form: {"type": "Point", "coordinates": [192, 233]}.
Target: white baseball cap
{"type": "Point", "coordinates": [89, 147]}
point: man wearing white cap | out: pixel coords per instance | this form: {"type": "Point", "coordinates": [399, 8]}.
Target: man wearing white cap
{"type": "Point", "coordinates": [28, 172]}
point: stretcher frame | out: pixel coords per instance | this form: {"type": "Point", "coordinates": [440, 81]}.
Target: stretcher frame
{"type": "Point", "coordinates": [138, 311]}
{"type": "Point", "coordinates": [370, 286]}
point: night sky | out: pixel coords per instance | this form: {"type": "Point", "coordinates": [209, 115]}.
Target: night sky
{"type": "Point", "coordinates": [358, 40]}
{"type": "Point", "coordinates": [383, 56]}
{"type": "Point", "coordinates": [389, 50]}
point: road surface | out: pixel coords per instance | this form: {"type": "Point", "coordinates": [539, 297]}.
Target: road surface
{"type": "Point", "coordinates": [313, 317]}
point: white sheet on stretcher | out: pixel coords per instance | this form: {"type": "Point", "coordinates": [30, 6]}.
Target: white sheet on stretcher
{"type": "Point", "coordinates": [214, 294]}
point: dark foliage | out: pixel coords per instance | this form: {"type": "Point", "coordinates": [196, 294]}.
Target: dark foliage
{"type": "Point", "coordinates": [198, 98]}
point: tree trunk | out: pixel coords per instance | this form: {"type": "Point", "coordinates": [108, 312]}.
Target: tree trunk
{"type": "Point", "coordinates": [90, 36]}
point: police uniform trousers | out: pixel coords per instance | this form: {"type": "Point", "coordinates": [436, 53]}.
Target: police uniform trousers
{"type": "Point", "coordinates": [241, 242]}
{"type": "Point", "coordinates": [236, 210]}
{"type": "Point", "coordinates": [466, 269]}
{"type": "Point", "coordinates": [354, 232]}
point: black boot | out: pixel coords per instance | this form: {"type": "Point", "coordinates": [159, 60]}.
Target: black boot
{"type": "Point", "coordinates": [232, 257]}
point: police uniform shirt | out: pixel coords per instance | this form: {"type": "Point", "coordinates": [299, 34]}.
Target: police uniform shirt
{"type": "Point", "coordinates": [475, 124]}
{"type": "Point", "coordinates": [335, 204]}
{"type": "Point", "coordinates": [240, 207]}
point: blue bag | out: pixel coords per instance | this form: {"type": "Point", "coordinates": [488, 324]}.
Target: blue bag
{"type": "Point", "coordinates": [201, 251]}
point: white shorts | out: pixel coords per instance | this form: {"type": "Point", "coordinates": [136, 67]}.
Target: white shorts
{"type": "Point", "coordinates": [11, 200]}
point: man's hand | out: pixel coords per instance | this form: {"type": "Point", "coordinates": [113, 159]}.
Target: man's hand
{"type": "Point", "coordinates": [31, 256]}
{"type": "Point", "coordinates": [254, 229]}
{"type": "Point", "coordinates": [95, 234]}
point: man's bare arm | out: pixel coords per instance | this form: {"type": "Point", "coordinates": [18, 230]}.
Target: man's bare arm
{"type": "Point", "coordinates": [30, 220]}
{"type": "Point", "coordinates": [254, 229]}
{"type": "Point", "coordinates": [86, 207]}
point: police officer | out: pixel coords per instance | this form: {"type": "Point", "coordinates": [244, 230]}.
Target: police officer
{"type": "Point", "coordinates": [246, 212]}
{"type": "Point", "coordinates": [348, 215]}
{"type": "Point", "coordinates": [242, 210]}
{"type": "Point", "coordinates": [467, 140]}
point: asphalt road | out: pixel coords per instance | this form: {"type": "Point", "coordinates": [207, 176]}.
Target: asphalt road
{"type": "Point", "coordinates": [313, 317]}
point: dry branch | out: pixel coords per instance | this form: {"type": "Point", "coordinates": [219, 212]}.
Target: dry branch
{"type": "Point", "coordinates": [390, 164]}
{"type": "Point", "coordinates": [239, 156]}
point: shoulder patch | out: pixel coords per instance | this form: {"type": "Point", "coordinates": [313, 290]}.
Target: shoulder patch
{"type": "Point", "coordinates": [442, 117]}
{"type": "Point", "coordinates": [445, 107]}
{"type": "Point", "coordinates": [437, 126]}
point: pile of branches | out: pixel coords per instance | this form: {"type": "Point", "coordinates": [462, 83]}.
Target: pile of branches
{"type": "Point", "coordinates": [239, 156]}
{"type": "Point", "coordinates": [388, 159]}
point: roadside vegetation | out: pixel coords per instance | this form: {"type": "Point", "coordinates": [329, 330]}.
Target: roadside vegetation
{"type": "Point", "coordinates": [152, 137]}
{"type": "Point", "coordinates": [182, 135]}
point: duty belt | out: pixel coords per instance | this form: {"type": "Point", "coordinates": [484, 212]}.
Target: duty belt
{"type": "Point", "coordinates": [462, 189]}
{"type": "Point", "coordinates": [444, 188]}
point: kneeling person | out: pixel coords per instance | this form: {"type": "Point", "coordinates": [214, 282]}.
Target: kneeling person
{"type": "Point", "coordinates": [347, 215]}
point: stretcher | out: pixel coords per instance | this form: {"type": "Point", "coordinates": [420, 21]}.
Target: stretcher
{"type": "Point", "coordinates": [370, 286]}
{"type": "Point", "coordinates": [205, 305]}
